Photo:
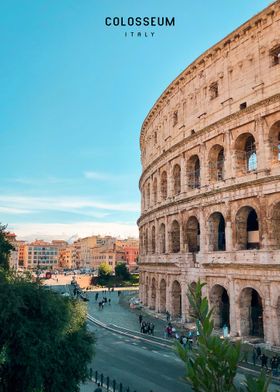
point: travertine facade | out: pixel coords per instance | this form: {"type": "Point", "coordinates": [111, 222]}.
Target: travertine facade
{"type": "Point", "coordinates": [211, 184]}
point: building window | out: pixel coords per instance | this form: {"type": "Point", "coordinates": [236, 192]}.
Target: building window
{"type": "Point", "coordinates": [155, 137]}
{"type": "Point", "coordinates": [251, 154]}
{"type": "Point", "coordinates": [213, 90]}
{"type": "Point", "coordinates": [175, 118]}
{"type": "Point", "coordinates": [278, 147]}
{"type": "Point", "coordinates": [275, 55]}
{"type": "Point", "coordinates": [243, 105]}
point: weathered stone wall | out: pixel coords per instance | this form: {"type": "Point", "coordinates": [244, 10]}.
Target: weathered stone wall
{"type": "Point", "coordinates": [211, 183]}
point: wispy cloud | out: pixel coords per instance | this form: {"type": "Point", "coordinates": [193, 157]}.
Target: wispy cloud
{"type": "Point", "coordinates": [11, 210]}
{"type": "Point", "coordinates": [41, 180]}
{"type": "Point", "coordinates": [31, 231]}
{"type": "Point", "coordinates": [85, 206]}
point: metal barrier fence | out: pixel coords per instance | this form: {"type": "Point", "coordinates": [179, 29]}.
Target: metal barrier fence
{"type": "Point", "coordinates": [108, 383]}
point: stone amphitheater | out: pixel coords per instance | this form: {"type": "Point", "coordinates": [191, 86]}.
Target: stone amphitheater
{"type": "Point", "coordinates": [210, 185]}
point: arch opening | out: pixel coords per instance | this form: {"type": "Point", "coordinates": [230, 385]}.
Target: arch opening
{"type": "Point", "coordinates": [153, 240]}
{"type": "Point", "coordinates": [217, 236]}
{"type": "Point", "coordinates": [176, 299]}
{"type": "Point", "coordinates": [163, 185]}
{"type": "Point", "coordinates": [192, 235]}
{"type": "Point", "coordinates": [251, 313]}
{"type": "Point", "coordinates": [162, 241]}
{"type": "Point", "coordinates": [153, 295]}
{"type": "Point", "coordinates": [162, 301]}
{"type": "Point", "coordinates": [246, 154]}
{"type": "Point", "coordinates": [175, 237]}
{"type": "Point", "coordinates": [247, 229]}
{"type": "Point", "coordinates": [219, 301]}
{"type": "Point", "coordinates": [276, 225]}
{"type": "Point", "coordinates": [193, 172]}
{"type": "Point", "coordinates": [177, 179]}
{"type": "Point", "coordinates": [216, 163]}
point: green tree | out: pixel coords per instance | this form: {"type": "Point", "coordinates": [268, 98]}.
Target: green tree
{"type": "Point", "coordinates": [122, 271]}
{"type": "Point", "coordinates": [212, 365]}
{"type": "Point", "coordinates": [5, 248]}
{"type": "Point", "coordinates": [44, 342]}
{"type": "Point", "coordinates": [104, 271]}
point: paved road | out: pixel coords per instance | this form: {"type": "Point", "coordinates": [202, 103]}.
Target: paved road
{"type": "Point", "coordinates": [142, 366]}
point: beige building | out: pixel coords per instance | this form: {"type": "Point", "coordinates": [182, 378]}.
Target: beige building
{"type": "Point", "coordinates": [211, 184]}
{"type": "Point", "coordinates": [110, 254]}
{"type": "Point", "coordinates": [41, 254]}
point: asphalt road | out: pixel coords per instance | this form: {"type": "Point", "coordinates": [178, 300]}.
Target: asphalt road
{"type": "Point", "coordinates": [142, 366]}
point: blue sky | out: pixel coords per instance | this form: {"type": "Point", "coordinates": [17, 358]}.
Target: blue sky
{"type": "Point", "coordinates": [73, 96]}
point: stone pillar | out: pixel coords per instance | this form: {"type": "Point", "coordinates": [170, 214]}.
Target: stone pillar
{"type": "Point", "coordinates": [181, 223]}
{"type": "Point", "coordinates": [203, 166]}
{"type": "Point", "coordinates": [268, 312]}
{"type": "Point", "coordinates": [203, 232]}
{"type": "Point", "coordinates": [228, 154]}
{"type": "Point", "coordinates": [169, 294]}
{"type": "Point", "coordinates": [262, 144]}
{"type": "Point", "coordinates": [166, 235]}
{"type": "Point", "coordinates": [228, 233]}
{"type": "Point", "coordinates": [169, 180]}
{"type": "Point", "coordinates": [183, 301]}
{"type": "Point", "coordinates": [234, 312]}
{"type": "Point", "coordinates": [184, 185]}
{"type": "Point", "coordinates": [157, 307]}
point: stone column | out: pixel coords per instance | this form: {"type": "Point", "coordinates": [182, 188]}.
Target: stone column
{"type": "Point", "coordinates": [203, 166]}
{"type": "Point", "coordinates": [228, 154]}
{"type": "Point", "coordinates": [262, 144]}
{"type": "Point", "coordinates": [169, 180]}
{"type": "Point", "coordinates": [203, 232]}
{"type": "Point", "coordinates": [181, 223]}
{"type": "Point", "coordinates": [268, 312]}
{"type": "Point", "coordinates": [228, 233]}
{"type": "Point", "coordinates": [169, 294]}
{"type": "Point", "coordinates": [166, 235]}
{"type": "Point", "coordinates": [234, 312]}
{"type": "Point", "coordinates": [157, 307]}
{"type": "Point", "coordinates": [184, 185]}
{"type": "Point", "coordinates": [183, 301]}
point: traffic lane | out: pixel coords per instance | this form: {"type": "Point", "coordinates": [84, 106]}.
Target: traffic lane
{"type": "Point", "coordinates": [141, 366]}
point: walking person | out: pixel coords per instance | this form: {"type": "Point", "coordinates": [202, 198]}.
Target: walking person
{"type": "Point", "coordinates": [264, 361]}
{"type": "Point", "coordinates": [167, 316]}
{"type": "Point", "coordinates": [152, 327]}
{"type": "Point", "coordinates": [140, 318]}
{"type": "Point", "coordinates": [254, 357]}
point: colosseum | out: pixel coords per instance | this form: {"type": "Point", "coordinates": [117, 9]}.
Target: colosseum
{"type": "Point", "coordinates": [210, 186]}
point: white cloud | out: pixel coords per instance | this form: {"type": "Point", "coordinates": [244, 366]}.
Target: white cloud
{"type": "Point", "coordinates": [16, 211]}
{"type": "Point", "coordinates": [50, 231]}
{"type": "Point", "coordinates": [60, 203]}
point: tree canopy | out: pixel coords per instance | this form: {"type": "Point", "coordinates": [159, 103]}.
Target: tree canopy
{"type": "Point", "coordinates": [5, 248]}
{"type": "Point", "coordinates": [44, 342]}
{"type": "Point", "coordinates": [122, 271]}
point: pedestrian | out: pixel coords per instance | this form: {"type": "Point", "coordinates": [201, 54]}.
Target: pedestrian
{"type": "Point", "coordinates": [152, 328]}
{"type": "Point", "coordinates": [184, 342]}
{"type": "Point", "coordinates": [140, 318]}
{"type": "Point", "coordinates": [264, 360]}
{"type": "Point", "coordinates": [254, 357]}
{"type": "Point", "coordinates": [98, 389]}
{"type": "Point", "coordinates": [96, 296]}
{"type": "Point", "coordinates": [259, 352]}
{"type": "Point", "coordinates": [167, 316]}
{"type": "Point", "coordinates": [119, 293]}
{"type": "Point", "coordinates": [109, 300]}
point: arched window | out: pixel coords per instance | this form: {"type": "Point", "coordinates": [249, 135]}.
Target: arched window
{"type": "Point", "coordinates": [220, 165]}
{"type": "Point", "coordinates": [153, 239]}
{"type": "Point", "coordinates": [193, 172]}
{"type": "Point", "coordinates": [274, 140]}
{"type": "Point", "coordinates": [245, 154]}
{"type": "Point", "coordinates": [163, 185]}
{"type": "Point", "coordinates": [192, 235]}
{"type": "Point", "coordinates": [148, 195]}
{"type": "Point", "coordinates": [216, 163]}
{"type": "Point", "coordinates": [162, 238]}
{"type": "Point", "coordinates": [251, 154]}
{"type": "Point", "coordinates": [146, 241]}
{"type": "Point", "coordinates": [177, 179]}
{"type": "Point", "coordinates": [155, 190]}
{"type": "Point", "coordinates": [247, 229]}
{"type": "Point", "coordinates": [175, 237]}
{"type": "Point", "coordinates": [217, 238]}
